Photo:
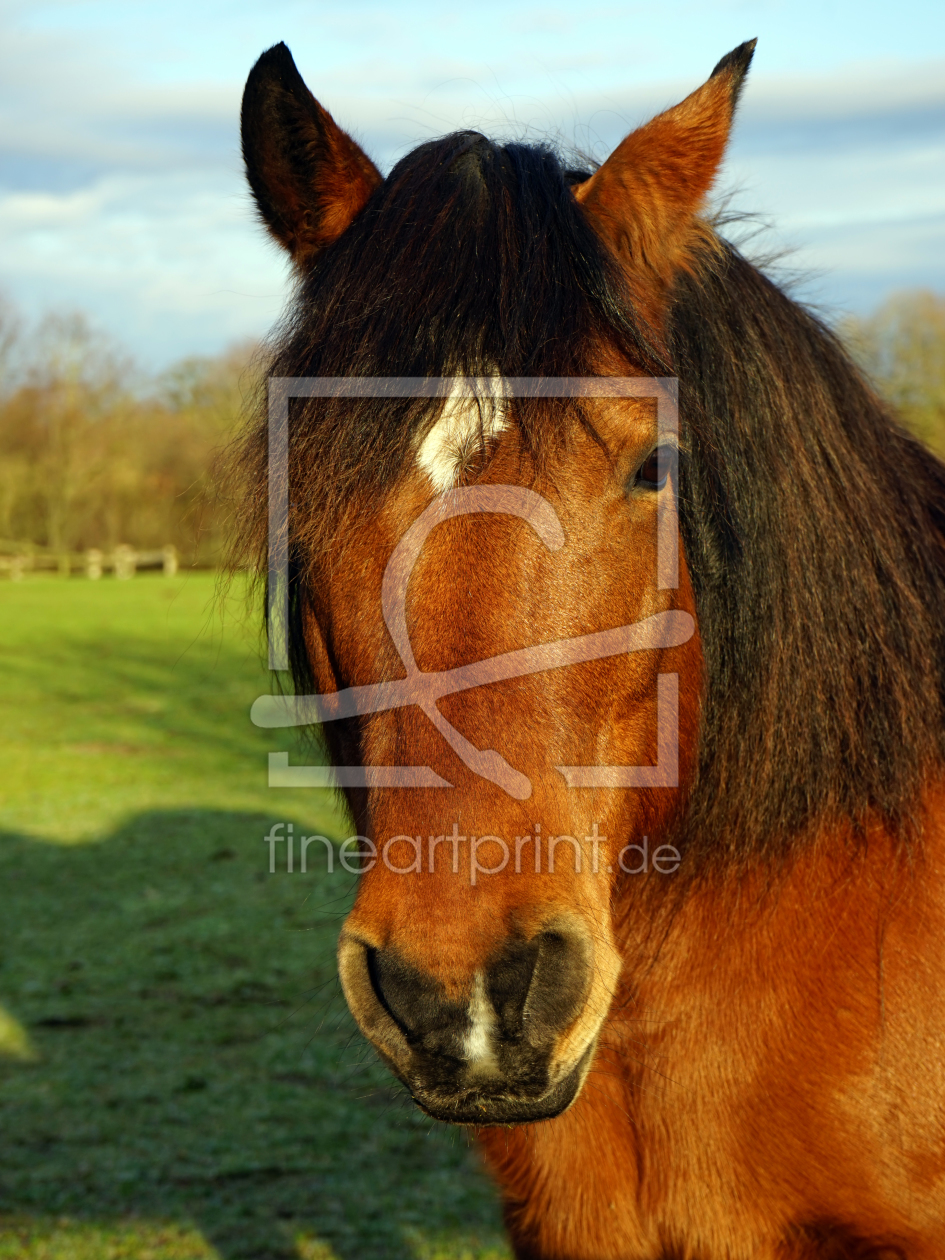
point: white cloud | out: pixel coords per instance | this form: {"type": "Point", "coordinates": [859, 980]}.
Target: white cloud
{"type": "Point", "coordinates": [170, 265]}
{"type": "Point", "coordinates": [120, 183]}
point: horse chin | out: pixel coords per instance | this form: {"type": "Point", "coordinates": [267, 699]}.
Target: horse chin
{"type": "Point", "coordinates": [480, 1109]}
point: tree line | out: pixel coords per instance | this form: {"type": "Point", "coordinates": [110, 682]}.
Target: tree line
{"type": "Point", "coordinates": [95, 456]}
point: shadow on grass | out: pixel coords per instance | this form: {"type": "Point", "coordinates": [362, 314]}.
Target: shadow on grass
{"type": "Point", "coordinates": [196, 1063]}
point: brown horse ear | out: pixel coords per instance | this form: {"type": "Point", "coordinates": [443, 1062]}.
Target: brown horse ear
{"type": "Point", "coordinates": [644, 199]}
{"type": "Point", "coordinates": [309, 178]}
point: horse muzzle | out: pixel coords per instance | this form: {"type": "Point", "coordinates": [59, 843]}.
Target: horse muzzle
{"type": "Point", "coordinates": [511, 1045]}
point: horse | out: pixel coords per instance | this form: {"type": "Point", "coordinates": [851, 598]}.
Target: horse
{"type": "Point", "coordinates": [625, 618]}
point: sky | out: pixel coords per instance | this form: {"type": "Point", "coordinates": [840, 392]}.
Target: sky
{"type": "Point", "coordinates": [122, 194]}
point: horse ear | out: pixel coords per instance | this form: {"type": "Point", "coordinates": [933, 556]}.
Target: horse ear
{"type": "Point", "coordinates": [309, 178]}
{"type": "Point", "coordinates": [643, 200]}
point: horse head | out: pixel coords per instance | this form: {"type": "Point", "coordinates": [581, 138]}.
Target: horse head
{"type": "Point", "coordinates": [512, 552]}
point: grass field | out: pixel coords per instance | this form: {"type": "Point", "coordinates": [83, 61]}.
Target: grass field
{"type": "Point", "coordinates": [179, 1077]}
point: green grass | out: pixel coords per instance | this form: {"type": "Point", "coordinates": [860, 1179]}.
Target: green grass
{"type": "Point", "coordinates": [179, 1076]}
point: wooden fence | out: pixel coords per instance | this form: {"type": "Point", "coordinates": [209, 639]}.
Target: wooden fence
{"type": "Point", "coordinates": [17, 560]}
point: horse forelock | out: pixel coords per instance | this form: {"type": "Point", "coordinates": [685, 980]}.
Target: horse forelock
{"type": "Point", "coordinates": [471, 260]}
{"type": "Point", "coordinates": [812, 524]}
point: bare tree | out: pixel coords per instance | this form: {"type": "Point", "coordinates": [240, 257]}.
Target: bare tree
{"type": "Point", "coordinates": [92, 456]}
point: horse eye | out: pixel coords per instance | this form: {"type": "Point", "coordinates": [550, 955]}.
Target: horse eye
{"type": "Point", "coordinates": [652, 473]}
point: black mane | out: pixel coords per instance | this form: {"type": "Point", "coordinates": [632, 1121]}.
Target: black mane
{"type": "Point", "coordinates": [813, 525]}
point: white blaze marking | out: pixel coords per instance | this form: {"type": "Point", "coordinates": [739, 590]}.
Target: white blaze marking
{"type": "Point", "coordinates": [478, 1049]}
{"type": "Point", "coordinates": [456, 433]}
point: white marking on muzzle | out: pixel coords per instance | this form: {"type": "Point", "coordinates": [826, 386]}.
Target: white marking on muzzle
{"type": "Point", "coordinates": [464, 422]}
{"type": "Point", "coordinates": [478, 1047]}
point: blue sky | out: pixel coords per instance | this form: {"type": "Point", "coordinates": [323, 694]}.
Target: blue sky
{"type": "Point", "coordinates": [121, 192]}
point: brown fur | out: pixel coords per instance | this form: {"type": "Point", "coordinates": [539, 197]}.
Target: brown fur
{"type": "Point", "coordinates": [770, 1083]}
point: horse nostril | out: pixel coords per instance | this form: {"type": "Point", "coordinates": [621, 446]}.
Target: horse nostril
{"type": "Point", "coordinates": [508, 981]}
{"type": "Point", "coordinates": [415, 1002]}
{"type": "Point", "coordinates": [395, 985]}
{"type": "Point", "coordinates": [537, 987]}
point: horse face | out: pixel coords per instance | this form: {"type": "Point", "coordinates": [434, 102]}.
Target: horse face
{"type": "Point", "coordinates": [481, 957]}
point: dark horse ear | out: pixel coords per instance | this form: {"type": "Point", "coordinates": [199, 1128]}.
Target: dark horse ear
{"type": "Point", "coordinates": [308, 176]}
{"type": "Point", "coordinates": [644, 199]}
